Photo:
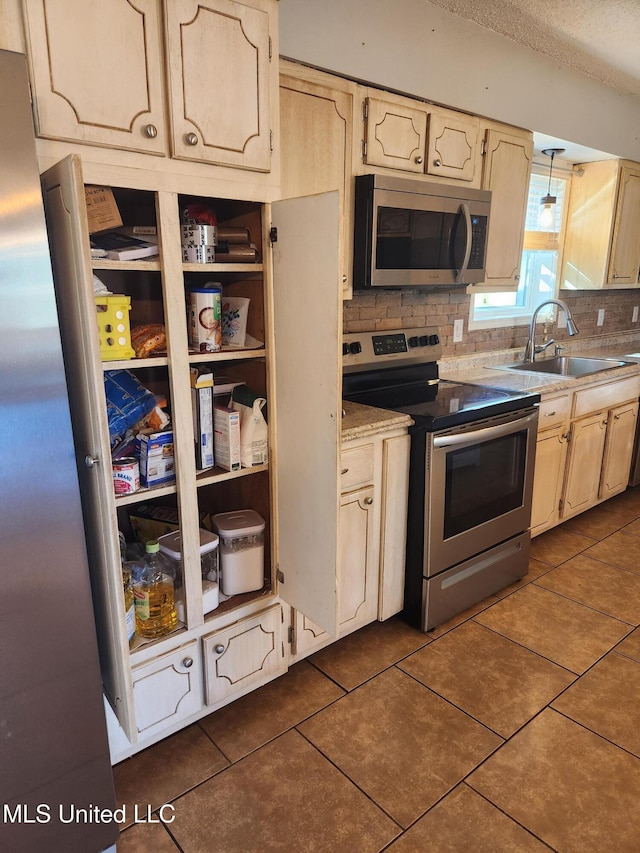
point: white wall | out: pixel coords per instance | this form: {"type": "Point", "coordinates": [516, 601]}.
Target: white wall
{"type": "Point", "coordinates": [415, 47]}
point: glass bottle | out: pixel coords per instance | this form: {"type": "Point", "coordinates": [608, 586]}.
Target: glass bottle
{"type": "Point", "coordinates": [153, 579]}
{"type": "Point", "coordinates": [129, 607]}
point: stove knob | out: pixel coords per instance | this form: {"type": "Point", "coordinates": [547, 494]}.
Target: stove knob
{"type": "Point", "coordinates": [355, 347]}
{"type": "Point", "coordinates": [345, 349]}
{"type": "Point", "coordinates": [434, 340]}
{"type": "Point", "coordinates": [423, 340]}
{"type": "Point", "coordinates": [413, 341]}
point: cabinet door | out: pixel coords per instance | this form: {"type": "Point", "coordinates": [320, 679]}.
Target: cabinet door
{"type": "Point", "coordinates": [625, 248]}
{"type": "Point", "coordinates": [551, 454]}
{"type": "Point", "coordinates": [244, 655]}
{"type": "Point", "coordinates": [452, 145]}
{"type": "Point", "coordinates": [63, 193]}
{"type": "Point", "coordinates": [621, 430]}
{"type": "Point", "coordinates": [316, 127]}
{"type": "Point", "coordinates": [307, 323]}
{"type": "Point", "coordinates": [393, 524]}
{"type": "Point", "coordinates": [219, 68]}
{"type": "Point", "coordinates": [584, 464]}
{"type": "Point", "coordinates": [168, 689]}
{"type": "Point", "coordinates": [97, 73]}
{"type": "Point", "coordinates": [395, 135]}
{"type": "Point", "coordinates": [359, 552]}
{"type": "Point", "coordinates": [506, 171]}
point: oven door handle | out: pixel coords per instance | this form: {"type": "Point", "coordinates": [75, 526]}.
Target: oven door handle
{"type": "Point", "coordinates": [474, 436]}
{"type": "Point", "coordinates": [464, 207]}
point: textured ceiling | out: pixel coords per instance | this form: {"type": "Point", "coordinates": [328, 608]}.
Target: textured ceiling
{"type": "Point", "coordinates": [596, 37]}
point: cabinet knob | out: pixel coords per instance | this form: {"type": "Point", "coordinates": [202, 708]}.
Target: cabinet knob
{"type": "Point", "coordinates": [344, 471]}
{"type": "Point", "coordinates": [91, 461]}
{"type": "Point", "coordinates": [344, 278]}
{"type": "Point", "coordinates": [516, 277]}
{"type": "Point", "coordinates": [437, 162]}
{"type": "Point", "coordinates": [151, 131]}
{"type": "Point", "coordinates": [368, 501]}
{"type": "Point", "coordinates": [419, 160]}
{"type": "Point", "coordinates": [187, 663]}
{"type": "Point", "coordinates": [191, 139]}
{"type": "Point", "coordinates": [549, 414]}
{"type": "Point", "coordinates": [218, 649]}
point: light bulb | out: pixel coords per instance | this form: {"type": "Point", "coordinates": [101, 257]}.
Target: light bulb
{"type": "Point", "coordinates": [547, 215]}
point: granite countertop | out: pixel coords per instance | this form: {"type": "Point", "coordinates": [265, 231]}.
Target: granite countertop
{"type": "Point", "coordinates": [479, 369]}
{"type": "Point", "coordinates": [359, 420]}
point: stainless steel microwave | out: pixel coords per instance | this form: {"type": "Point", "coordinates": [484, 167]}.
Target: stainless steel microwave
{"type": "Point", "coordinates": [412, 233]}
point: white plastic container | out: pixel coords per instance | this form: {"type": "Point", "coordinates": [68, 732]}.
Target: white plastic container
{"type": "Point", "coordinates": [171, 546]}
{"type": "Point", "coordinates": [241, 550]}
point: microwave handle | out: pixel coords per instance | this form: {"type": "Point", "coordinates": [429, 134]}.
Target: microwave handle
{"type": "Point", "coordinates": [464, 208]}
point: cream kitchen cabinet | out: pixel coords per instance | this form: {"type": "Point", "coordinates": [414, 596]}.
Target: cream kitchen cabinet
{"type": "Point", "coordinates": [102, 74]}
{"type": "Point", "coordinates": [160, 685]}
{"type": "Point", "coordinates": [600, 444]}
{"type": "Point", "coordinates": [584, 449]}
{"type": "Point", "coordinates": [404, 134]}
{"type": "Point", "coordinates": [507, 155]}
{"type": "Point", "coordinates": [316, 145]}
{"type": "Point", "coordinates": [551, 455]}
{"type": "Point", "coordinates": [241, 657]}
{"type": "Point", "coordinates": [602, 245]}
{"type": "Point", "coordinates": [373, 517]}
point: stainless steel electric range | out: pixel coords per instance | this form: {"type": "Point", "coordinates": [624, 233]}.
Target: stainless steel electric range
{"type": "Point", "coordinates": [471, 470]}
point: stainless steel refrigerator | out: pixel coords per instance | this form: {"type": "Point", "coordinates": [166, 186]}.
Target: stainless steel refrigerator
{"type": "Point", "coordinates": [55, 773]}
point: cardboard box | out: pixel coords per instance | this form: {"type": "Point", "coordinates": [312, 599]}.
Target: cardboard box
{"type": "Point", "coordinates": [157, 464]}
{"type": "Point", "coordinates": [149, 521]}
{"type": "Point", "coordinates": [102, 210]}
{"type": "Point", "coordinates": [202, 405]}
{"type": "Point", "coordinates": [226, 425]}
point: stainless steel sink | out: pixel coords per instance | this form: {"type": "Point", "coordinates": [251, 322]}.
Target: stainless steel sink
{"type": "Point", "coordinates": [564, 365]}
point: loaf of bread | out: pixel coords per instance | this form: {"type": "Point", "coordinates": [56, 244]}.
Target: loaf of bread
{"type": "Point", "coordinates": [148, 338]}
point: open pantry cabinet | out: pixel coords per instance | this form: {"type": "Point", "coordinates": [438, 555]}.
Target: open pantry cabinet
{"type": "Point", "coordinates": [157, 686]}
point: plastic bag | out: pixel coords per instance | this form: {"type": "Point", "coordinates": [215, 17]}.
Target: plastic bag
{"type": "Point", "coordinates": [127, 401]}
{"type": "Point", "coordinates": [254, 433]}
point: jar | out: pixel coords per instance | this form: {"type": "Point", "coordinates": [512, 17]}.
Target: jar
{"type": "Point", "coordinates": [241, 551]}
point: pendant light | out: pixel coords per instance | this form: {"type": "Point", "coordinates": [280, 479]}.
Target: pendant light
{"type": "Point", "coordinates": [547, 213]}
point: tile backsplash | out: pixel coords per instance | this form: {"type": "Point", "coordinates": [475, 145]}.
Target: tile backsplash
{"type": "Point", "coordinates": [390, 309]}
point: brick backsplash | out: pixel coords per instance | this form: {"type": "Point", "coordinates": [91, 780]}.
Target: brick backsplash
{"type": "Point", "coordinates": [391, 309]}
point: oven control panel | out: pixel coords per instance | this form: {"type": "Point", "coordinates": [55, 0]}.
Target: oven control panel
{"type": "Point", "coordinates": [367, 350]}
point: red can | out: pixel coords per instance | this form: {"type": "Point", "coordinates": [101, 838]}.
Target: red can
{"type": "Point", "coordinates": [126, 475]}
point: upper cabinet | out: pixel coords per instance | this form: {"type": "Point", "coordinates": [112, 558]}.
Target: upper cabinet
{"type": "Point", "coordinates": [96, 72]}
{"type": "Point", "coordinates": [316, 138]}
{"type": "Point", "coordinates": [602, 246]}
{"type": "Point", "coordinates": [420, 138]}
{"type": "Point", "coordinates": [506, 168]}
{"type": "Point", "coordinates": [157, 78]}
{"type": "Point", "coordinates": [218, 61]}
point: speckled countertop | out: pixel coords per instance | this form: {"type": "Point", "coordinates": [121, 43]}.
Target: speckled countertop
{"type": "Point", "coordinates": [359, 420]}
{"type": "Point", "coordinates": [480, 369]}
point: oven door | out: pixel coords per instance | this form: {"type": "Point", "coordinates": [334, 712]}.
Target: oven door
{"type": "Point", "coordinates": [479, 484]}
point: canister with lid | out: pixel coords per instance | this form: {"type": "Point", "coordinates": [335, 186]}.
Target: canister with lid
{"type": "Point", "coordinates": [241, 550]}
{"type": "Point", "coordinates": [171, 547]}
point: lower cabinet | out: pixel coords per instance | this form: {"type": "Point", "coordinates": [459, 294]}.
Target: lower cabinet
{"type": "Point", "coordinates": [373, 517]}
{"type": "Point", "coordinates": [246, 654]}
{"type": "Point", "coordinates": [584, 450]}
{"type": "Point", "coordinates": [167, 689]}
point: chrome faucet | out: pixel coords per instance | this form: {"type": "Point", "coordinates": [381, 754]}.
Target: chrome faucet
{"type": "Point", "coordinates": [532, 350]}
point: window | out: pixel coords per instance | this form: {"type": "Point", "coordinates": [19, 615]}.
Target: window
{"type": "Point", "coordinates": [540, 261]}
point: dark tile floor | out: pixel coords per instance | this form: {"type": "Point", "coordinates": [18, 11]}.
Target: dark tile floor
{"type": "Point", "coordinates": [514, 727]}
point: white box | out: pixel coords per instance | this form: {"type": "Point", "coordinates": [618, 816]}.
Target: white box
{"type": "Point", "coordinates": [157, 464]}
{"type": "Point", "coordinates": [226, 426]}
{"type": "Point", "coordinates": [202, 405]}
